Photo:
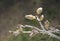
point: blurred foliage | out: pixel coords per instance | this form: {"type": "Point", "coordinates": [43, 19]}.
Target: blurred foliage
{"type": "Point", "coordinates": [1, 4]}
{"type": "Point", "coordinates": [31, 22]}
{"type": "Point", "coordinates": [38, 37]}
{"type": "Point", "coordinates": [4, 3]}
{"type": "Point", "coordinates": [51, 9]}
{"type": "Point", "coordinates": [51, 14]}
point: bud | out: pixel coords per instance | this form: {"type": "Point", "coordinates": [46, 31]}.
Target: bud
{"type": "Point", "coordinates": [21, 29]}
{"type": "Point", "coordinates": [42, 17]}
{"type": "Point", "coordinates": [16, 33]}
{"type": "Point", "coordinates": [30, 17]}
{"type": "Point", "coordinates": [39, 10]}
{"type": "Point", "coordinates": [47, 24]}
{"type": "Point", "coordinates": [33, 33]}
{"type": "Point", "coordinates": [10, 31]}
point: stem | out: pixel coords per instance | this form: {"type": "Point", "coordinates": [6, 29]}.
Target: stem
{"type": "Point", "coordinates": [26, 31]}
{"type": "Point", "coordinates": [49, 32]}
{"type": "Point", "coordinates": [40, 23]}
{"type": "Point", "coordinates": [53, 35]}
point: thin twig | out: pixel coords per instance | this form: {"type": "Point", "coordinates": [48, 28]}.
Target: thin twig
{"type": "Point", "coordinates": [49, 32]}
{"type": "Point", "coordinates": [40, 23]}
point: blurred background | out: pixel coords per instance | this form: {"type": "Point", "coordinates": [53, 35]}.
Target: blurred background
{"type": "Point", "coordinates": [12, 13]}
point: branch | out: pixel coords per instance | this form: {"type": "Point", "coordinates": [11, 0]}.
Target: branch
{"type": "Point", "coordinates": [40, 23]}
{"type": "Point", "coordinates": [49, 32]}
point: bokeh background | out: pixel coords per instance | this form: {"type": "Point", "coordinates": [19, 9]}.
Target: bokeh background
{"type": "Point", "coordinates": [12, 13]}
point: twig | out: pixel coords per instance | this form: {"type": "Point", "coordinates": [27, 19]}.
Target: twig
{"type": "Point", "coordinates": [49, 32]}
{"type": "Point", "coordinates": [40, 23]}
